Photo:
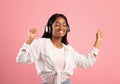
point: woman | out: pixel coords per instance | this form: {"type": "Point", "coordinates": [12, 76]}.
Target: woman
{"type": "Point", "coordinates": [53, 57]}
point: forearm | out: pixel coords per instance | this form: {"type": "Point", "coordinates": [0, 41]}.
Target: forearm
{"type": "Point", "coordinates": [27, 54]}
{"type": "Point", "coordinates": [97, 44]}
{"type": "Point", "coordinates": [22, 56]}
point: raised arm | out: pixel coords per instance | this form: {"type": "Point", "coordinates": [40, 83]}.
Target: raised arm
{"type": "Point", "coordinates": [88, 61]}
{"type": "Point", "coordinates": [99, 37]}
{"type": "Point", "coordinates": [29, 51]}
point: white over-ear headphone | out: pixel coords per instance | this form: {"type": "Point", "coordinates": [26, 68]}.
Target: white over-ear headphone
{"type": "Point", "coordinates": [48, 29]}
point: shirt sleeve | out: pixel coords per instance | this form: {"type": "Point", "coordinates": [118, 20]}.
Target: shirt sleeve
{"type": "Point", "coordinates": [86, 61]}
{"type": "Point", "coordinates": [28, 53]}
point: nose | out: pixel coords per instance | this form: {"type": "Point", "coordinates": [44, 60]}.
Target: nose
{"type": "Point", "coordinates": [61, 27]}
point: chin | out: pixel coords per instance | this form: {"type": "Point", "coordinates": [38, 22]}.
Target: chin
{"type": "Point", "coordinates": [61, 35]}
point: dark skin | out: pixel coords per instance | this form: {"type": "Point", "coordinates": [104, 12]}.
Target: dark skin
{"type": "Point", "coordinates": [59, 30]}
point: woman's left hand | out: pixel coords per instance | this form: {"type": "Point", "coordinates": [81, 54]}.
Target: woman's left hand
{"type": "Point", "coordinates": [99, 35]}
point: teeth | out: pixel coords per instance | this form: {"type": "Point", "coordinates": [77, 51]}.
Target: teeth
{"type": "Point", "coordinates": [60, 31]}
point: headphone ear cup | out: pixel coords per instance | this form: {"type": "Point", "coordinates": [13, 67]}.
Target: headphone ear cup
{"type": "Point", "coordinates": [47, 29]}
{"type": "Point", "coordinates": [68, 29]}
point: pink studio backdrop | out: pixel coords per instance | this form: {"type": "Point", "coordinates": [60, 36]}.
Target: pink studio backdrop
{"type": "Point", "coordinates": [85, 18]}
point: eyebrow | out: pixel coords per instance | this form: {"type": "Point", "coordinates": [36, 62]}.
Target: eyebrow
{"type": "Point", "coordinates": [59, 22]}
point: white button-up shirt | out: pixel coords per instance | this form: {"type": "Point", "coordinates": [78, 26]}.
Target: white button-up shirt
{"type": "Point", "coordinates": [40, 52]}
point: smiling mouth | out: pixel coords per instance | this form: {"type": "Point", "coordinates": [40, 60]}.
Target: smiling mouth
{"type": "Point", "coordinates": [60, 31]}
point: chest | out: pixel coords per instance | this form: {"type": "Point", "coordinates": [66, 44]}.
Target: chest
{"type": "Point", "coordinates": [58, 57]}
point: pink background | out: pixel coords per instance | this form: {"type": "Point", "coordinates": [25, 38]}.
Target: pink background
{"type": "Point", "coordinates": [85, 18]}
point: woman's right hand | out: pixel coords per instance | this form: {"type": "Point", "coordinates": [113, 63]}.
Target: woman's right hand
{"type": "Point", "coordinates": [32, 33]}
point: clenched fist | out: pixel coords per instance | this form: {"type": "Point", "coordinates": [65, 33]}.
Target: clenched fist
{"type": "Point", "coordinates": [99, 37]}
{"type": "Point", "coordinates": [32, 33]}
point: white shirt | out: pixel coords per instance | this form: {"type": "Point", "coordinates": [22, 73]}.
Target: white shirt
{"type": "Point", "coordinates": [41, 52]}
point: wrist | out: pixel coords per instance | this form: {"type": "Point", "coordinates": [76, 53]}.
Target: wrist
{"type": "Point", "coordinates": [98, 40]}
{"type": "Point", "coordinates": [97, 43]}
{"type": "Point", "coordinates": [29, 40]}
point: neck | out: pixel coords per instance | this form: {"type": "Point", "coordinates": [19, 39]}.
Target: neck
{"type": "Point", "coordinates": [57, 42]}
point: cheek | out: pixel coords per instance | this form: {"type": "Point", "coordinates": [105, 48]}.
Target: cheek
{"type": "Point", "coordinates": [65, 29]}
{"type": "Point", "coordinates": [54, 31]}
